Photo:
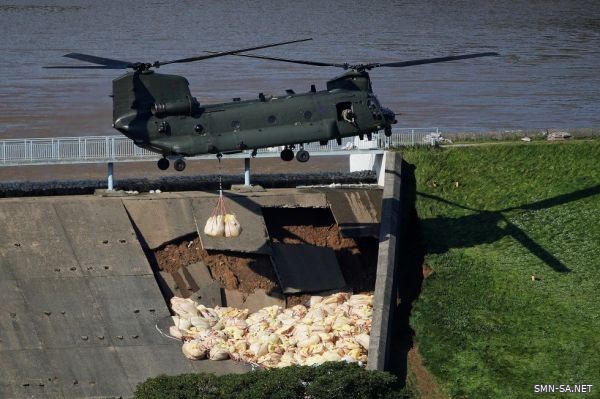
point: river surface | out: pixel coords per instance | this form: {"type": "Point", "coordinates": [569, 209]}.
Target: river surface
{"type": "Point", "coordinates": [548, 74]}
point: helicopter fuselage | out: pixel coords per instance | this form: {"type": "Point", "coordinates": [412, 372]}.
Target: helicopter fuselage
{"type": "Point", "coordinates": [158, 112]}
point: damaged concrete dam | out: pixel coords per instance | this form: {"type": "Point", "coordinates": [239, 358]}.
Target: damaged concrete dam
{"type": "Point", "coordinates": [85, 280]}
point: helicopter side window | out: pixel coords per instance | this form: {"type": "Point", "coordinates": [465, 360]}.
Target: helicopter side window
{"type": "Point", "coordinates": [344, 112]}
{"type": "Point", "coordinates": [235, 125]}
{"type": "Point", "coordinates": [272, 119]}
{"type": "Point", "coordinates": [307, 115]}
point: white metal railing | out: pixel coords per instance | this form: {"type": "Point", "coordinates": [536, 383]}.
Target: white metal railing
{"type": "Point", "coordinates": [101, 149]}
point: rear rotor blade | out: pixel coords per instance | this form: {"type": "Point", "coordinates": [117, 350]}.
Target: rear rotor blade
{"type": "Point", "coordinates": [360, 67]}
{"type": "Point", "coordinates": [314, 63]}
{"type": "Point", "coordinates": [558, 200]}
{"type": "Point", "coordinates": [222, 53]}
{"type": "Point", "coordinates": [431, 60]}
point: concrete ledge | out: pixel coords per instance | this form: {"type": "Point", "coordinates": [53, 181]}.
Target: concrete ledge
{"type": "Point", "coordinates": [161, 220]}
{"type": "Point", "coordinates": [385, 283]}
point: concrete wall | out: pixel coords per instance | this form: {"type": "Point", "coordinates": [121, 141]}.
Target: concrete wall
{"type": "Point", "coordinates": [79, 303]}
{"type": "Point", "coordinates": [387, 263]}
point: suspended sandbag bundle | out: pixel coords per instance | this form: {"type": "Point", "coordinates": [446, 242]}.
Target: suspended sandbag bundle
{"type": "Point", "coordinates": [221, 223]}
{"type": "Point", "coordinates": [232, 226]}
{"type": "Point", "coordinates": [214, 226]}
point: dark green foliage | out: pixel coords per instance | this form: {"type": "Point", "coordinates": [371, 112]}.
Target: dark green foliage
{"type": "Point", "coordinates": [514, 248]}
{"type": "Point", "coordinates": [182, 386]}
{"type": "Point", "coordinates": [341, 381]}
{"type": "Point", "coordinates": [328, 381]}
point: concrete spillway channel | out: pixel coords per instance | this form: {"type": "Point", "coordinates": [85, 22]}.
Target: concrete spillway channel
{"type": "Point", "coordinates": [80, 300]}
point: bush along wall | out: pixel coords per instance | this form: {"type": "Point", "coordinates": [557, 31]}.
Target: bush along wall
{"type": "Point", "coordinates": [331, 380]}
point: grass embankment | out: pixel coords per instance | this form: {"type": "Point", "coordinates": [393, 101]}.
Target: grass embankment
{"type": "Point", "coordinates": [512, 234]}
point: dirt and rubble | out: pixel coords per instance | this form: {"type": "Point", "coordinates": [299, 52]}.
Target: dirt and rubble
{"type": "Point", "coordinates": [357, 257]}
{"type": "Point", "coordinates": [242, 272]}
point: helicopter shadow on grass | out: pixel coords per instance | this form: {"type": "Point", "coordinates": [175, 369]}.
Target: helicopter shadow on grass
{"type": "Point", "coordinates": [443, 234]}
{"type": "Point", "coordinates": [486, 227]}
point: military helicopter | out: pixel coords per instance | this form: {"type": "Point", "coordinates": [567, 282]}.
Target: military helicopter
{"type": "Point", "coordinates": [158, 112]}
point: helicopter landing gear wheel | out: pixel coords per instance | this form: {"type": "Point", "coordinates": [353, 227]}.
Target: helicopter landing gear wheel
{"type": "Point", "coordinates": [179, 164]}
{"type": "Point", "coordinates": [302, 156]}
{"type": "Point", "coordinates": [287, 155]}
{"type": "Point", "coordinates": [163, 164]}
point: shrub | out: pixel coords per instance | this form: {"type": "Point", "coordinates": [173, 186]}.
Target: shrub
{"type": "Point", "coordinates": [330, 380]}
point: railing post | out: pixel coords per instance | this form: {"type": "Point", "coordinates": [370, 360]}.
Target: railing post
{"type": "Point", "coordinates": [247, 171]}
{"type": "Point", "coordinates": [4, 151]}
{"type": "Point", "coordinates": [110, 176]}
{"type": "Point", "coordinates": [413, 137]}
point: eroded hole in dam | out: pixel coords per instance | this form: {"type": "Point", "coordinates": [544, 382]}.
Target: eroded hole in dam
{"type": "Point", "coordinates": [183, 266]}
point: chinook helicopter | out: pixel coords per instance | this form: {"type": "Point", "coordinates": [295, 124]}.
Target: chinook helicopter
{"type": "Point", "coordinates": [158, 112]}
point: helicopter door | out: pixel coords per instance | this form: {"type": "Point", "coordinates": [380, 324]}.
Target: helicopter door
{"type": "Point", "coordinates": [346, 118]}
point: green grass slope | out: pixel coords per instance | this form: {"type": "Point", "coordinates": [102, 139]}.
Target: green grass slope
{"type": "Point", "coordinates": [492, 217]}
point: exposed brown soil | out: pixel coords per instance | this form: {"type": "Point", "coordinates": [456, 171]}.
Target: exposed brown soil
{"type": "Point", "coordinates": [421, 379]}
{"type": "Point", "coordinates": [292, 300]}
{"type": "Point", "coordinates": [244, 272]}
{"type": "Point", "coordinates": [427, 270]}
{"type": "Point", "coordinates": [236, 271]}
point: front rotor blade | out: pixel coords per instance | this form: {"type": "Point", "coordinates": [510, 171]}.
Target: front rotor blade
{"type": "Point", "coordinates": [79, 67]}
{"type": "Point", "coordinates": [107, 62]}
{"type": "Point", "coordinates": [535, 248]}
{"type": "Point", "coordinates": [433, 60]}
{"type": "Point", "coordinates": [445, 201]}
{"type": "Point", "coordinates": [314, 63]}
{"type": "Point", "coordinates": [222, 53]}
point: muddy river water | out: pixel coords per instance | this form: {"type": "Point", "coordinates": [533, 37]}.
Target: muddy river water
{"type": "Point", "coordinates": [548, 74]}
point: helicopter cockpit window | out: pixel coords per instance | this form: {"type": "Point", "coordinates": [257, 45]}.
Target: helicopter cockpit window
{"type": "Point", "coordinates": [272, 119]}
{"type": "Point", "coordinates": [307, 115]}
{"type": "Point", "coordinates": [235, 125]}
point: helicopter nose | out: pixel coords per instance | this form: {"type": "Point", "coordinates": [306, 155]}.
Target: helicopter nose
{"type": "Point", "coordinates": [389, 115]}
{"type": "Point", "coordinates": [121, 125]}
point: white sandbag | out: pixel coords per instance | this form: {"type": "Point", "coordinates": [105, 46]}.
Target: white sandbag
{"type": "Point", "coordinates": [193, 350]}
{"type": "Point", "coordinates": [175, 332]}
{"type": "Point", "coordinates": [200, 322]}
{"type": "Point", "coordinates": [232, 226]}
{"type": "Point", "coordinates": [362, 340]}
{"type": "Point", "coordinates": [186, 308]}
{"type": "Point", "coordinates": [218, 353]}
{"type": "Point", "coordinates": [214, 226]}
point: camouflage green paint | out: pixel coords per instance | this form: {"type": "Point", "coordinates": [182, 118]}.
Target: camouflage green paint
{"type": "Point", "coordinates": [159, 113]}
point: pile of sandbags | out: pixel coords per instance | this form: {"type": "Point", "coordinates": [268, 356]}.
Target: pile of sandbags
{"type": "Point", "coordinates": [221, 223]}
{"type": "Point", "coordinates": [332, 328]}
